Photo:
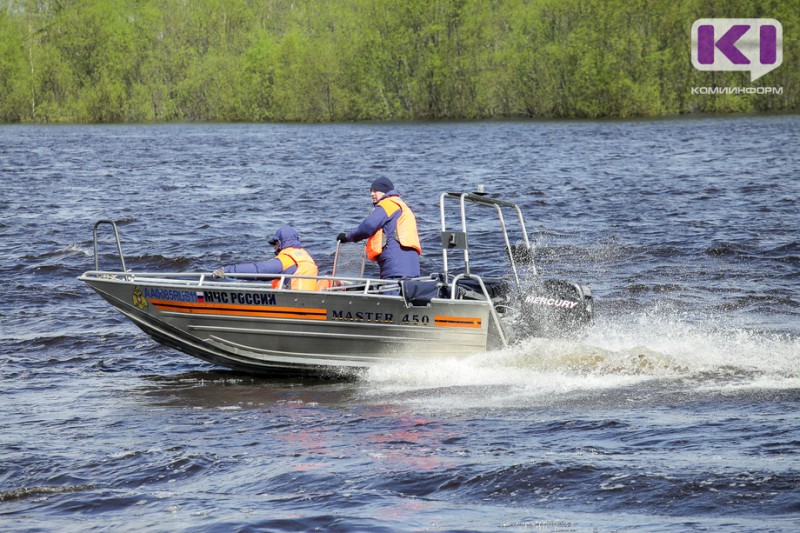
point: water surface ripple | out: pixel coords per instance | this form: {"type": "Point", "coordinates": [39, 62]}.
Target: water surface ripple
{"type": "Point", "coordinates": [678, 411]}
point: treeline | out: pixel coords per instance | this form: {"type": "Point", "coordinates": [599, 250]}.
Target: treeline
{"type": "Point", "coordinates": [343, 60]}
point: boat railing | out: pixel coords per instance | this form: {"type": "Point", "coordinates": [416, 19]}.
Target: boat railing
{"type": "Point", "coordinates": [116, 237]}
{"type": "Point", "coordinates": [201, 279]}
{"type": "Point", "coordinates": [492, 310]}
{"type": "Point", "coordinates": [456, 240]}
{"type": "Point", "coordinates": [204, 280]}
{"type": "Point", "coordinates": [459, 240]}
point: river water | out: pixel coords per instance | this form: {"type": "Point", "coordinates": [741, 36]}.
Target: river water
{"type": "Point", "coordinates": [677, 411]}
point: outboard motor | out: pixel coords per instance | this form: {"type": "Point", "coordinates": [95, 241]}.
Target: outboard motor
{"type": "Point", "coordinates": [554, 309]}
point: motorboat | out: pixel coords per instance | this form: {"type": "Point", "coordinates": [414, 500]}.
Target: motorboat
{"type": "Point", "coordinates": [352, 322]}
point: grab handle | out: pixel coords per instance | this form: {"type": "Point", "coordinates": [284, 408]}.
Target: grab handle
{"type": "Point", "coordinates": [119, 245]}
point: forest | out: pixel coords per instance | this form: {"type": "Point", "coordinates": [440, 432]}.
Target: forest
{"type": "Point", "coordinates": [143, 61]}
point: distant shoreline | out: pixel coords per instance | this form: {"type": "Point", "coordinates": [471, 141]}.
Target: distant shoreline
{"type": "Point", "coordinates": [110, 62]}
{"type": "Point", "coordinates": [663, 118]}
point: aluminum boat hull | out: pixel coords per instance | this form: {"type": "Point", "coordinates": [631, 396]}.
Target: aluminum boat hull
{"type": "Point", "coordinates": [255, 328]}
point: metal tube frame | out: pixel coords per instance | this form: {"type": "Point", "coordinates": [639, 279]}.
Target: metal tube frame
{"type": "Point", "coordinates": [119, 244]}
{"type": "Point", "coordinates": [498, 205]}
{"type": "Point", "coordinates": [491, 202]}
{"type": "Point", "coordinates": [200, 280]}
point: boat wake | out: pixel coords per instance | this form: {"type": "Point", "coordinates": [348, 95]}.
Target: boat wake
{"type": "Point", "coordinates": [614, 357]}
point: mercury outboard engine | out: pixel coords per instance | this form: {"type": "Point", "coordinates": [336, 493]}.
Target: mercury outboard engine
{"type": "Point", "coordinates": [555, 309]}
{"type": "Point", "coordinates": [549, 307]}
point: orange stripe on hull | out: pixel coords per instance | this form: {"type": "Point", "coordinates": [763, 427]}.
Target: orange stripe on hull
{"type": "Point", "coordinates": [457, 322]}
{"type": "Point", "coordinates": [236, 310]}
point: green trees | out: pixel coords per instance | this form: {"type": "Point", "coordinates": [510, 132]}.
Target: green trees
{"type": "Point", "coordinates": [338, 60]}
{"type": "Point", "coordinates": [14, 74]}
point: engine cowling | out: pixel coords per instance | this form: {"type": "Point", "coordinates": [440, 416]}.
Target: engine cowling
{"type": "Point", "coordinates": [555, 309]}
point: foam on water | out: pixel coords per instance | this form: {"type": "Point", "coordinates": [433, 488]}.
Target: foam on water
{"type": "Point", "coordinates": [616, 354]}
{"type": "Point", "coordinates": [709, 347]}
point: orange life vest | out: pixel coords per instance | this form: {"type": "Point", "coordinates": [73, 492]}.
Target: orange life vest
{"type": "Point", "coordinates": [405, 232]}
{"type": "Point", "coordinates": [305, 267]}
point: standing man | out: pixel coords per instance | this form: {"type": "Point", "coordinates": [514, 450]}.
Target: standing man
{"type": "Point", "coordinates": [391, 233]}
{"type": "Point", "coordinates": [290, 258]}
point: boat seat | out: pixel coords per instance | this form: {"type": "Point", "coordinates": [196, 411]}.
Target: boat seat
{"type": "Point", "coordinates": [419, 293]}
{"type": "Point", "coordinates": [470, 289]}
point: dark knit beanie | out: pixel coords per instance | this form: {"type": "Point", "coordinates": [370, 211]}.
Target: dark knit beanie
{"type": "Point", "coordinates": [383, 185]}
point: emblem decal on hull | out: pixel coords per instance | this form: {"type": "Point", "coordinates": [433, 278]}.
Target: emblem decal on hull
{"type": "Point", "coordinates": [139, 299]}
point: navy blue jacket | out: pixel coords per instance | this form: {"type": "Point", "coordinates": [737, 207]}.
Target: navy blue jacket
{"type": "Point", "coordinates": [395, 261]}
